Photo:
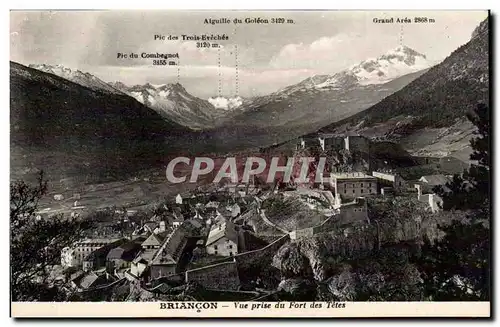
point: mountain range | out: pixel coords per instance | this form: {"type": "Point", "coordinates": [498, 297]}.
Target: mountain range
{"type": "Point", "coordinates": [319, 98]}
{"type": "Point", "coordinates": [173, 102]}
{"type": "Point", "coordinates": [74, 129]}
{"type": "Point", "coordinates": [322, 99]}
{"type": "Point", "coordinates": [84, 79]}
{"type": "Point", "coordinates": [68, 118]}
{"type": "Point", "coordinates": [427, 116]}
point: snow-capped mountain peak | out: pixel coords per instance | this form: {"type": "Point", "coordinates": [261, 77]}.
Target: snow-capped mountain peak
{"type": "Point", "coordinates": [76, 76]}
{"type": "Point", "coordinates": [393, 64]}
{"type": "Point", "coordinates": [149, 93]}
{"type": "Point", "coordinates": [172, 101]}
{"type": "Point", "coordinates": [226, 103]}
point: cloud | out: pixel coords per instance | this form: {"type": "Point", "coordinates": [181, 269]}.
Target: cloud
{"type": "Point", "coordinates": [225, 103]}
{"type": "Point", "coordinates": [329, 54]}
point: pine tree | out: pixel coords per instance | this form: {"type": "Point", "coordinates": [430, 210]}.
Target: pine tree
{"type": "Point", "coordinates": [457, 267]}
{"type": "Point", "coordinates": [471, 190]}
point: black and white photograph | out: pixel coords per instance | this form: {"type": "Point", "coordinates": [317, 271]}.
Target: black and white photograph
{"type": "Point", "coordinates": [241, 161]}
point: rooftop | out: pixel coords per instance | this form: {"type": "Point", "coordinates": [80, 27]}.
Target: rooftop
{"type": "Point", "coordinates": [155, 239]}
{"type": "Point", "coordinates": [354, 175]}
{"type": "Point", "coordinates": [91, 279]}
{"type": "Point", "coordinates": [145, 256]}
{"type": "Point", "coordinates": [435, 179]}
{"type": "Point", "coordinates": [124, 251]}
{"type": "Point", "coordinates": [225, 229]}
{"type": "Point", "coordinates": [151, 225]}
{"type": "Point", "coordinates": [98, 240]}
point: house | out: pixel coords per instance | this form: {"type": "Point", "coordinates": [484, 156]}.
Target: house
{"type": "Point", "coordinates": [194, 225]}
{"type": "Point", "coordinates": [91, 280]}
{"type": "Point", "coordinates": [427, 183]}
{"type": "Point", "coordinates": [164, 261]}
{"type": "Point", "coordinates": [153, 226]}
{"type": "Point", "coordinates": [156, 218]}
{"type": "Point", "coordinates": [141, 262]}
{"type": "Point", "coordinates": [425, 187]}
{"type": "Point", "coordinates": [150, 226]}
{"type": "Point", "coordinates": [154, 241]}
{"type": "Point", "coordinates": [352, 185]}
{"type": "Point", "coordinates": [222, 214]}
{"type": "Point", "coordinates": [178, 199]}
{"type": "Point", "coordinates": [308, 141]}
{"type": "Point", "coordinates": [331, 142]}
{"type": "Point", "coordinates": [153, 263]}
{"type": "Point", "coordinates": [122, 256]}
{"type": "Point", "coordinates": [75, 278]}
{"type": "Point", "coordinates": [162, 266]}
{"type": "Point", "coordinates": [131, 213]}
{"type": "Point", "coordinates": [222, 240]}
{"type": "Point", "coordinates": [357, 143]}
{"type": "Point", "coordinates": [354, 212]}
{"type": "Point", "coordinates": [434, 201]}
{"type": "Point", "coordinates": [162, 227]}
{"type": "Point", "coordinates": [149, 249]}
{"type": "Point", "coordinates": [75, 255]}
{"type": "Point", "coordinates": [390, 179]}
{"type": "Point", "coordinates": [434, 180]}
{"type": "Point", "coordinates": [97, 259]}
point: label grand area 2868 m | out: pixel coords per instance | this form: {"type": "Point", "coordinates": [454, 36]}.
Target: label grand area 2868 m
{"type": "Point", "coordinates": [404, 20]}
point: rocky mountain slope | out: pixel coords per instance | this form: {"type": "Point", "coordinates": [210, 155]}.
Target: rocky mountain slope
{"type": "Point", "coordinates": [307, 106]}
{"type": "Point", "coordinates": [429, 113]}
{"type": "Point", "coordinates": [173, 102]}
{"type": "Point", "coordinates": [332, 97]}
{"type": "Point", "coordinates": [78, 77]}
{"type": "Point", "coordinates": [67, 129]}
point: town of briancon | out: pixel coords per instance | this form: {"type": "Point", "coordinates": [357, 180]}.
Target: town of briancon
{"type": "Point", "coordinates": [395, 206]}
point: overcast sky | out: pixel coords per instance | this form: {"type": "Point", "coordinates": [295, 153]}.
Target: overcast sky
{"type": "Point", "coordinates": [269, 56]}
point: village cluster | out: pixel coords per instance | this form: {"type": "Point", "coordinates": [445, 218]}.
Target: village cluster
{"type": "Point", "coordinates": [191, 234]}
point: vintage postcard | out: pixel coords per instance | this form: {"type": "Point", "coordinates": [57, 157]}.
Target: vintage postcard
{"type": "Point", "coordinates": [174, 163]}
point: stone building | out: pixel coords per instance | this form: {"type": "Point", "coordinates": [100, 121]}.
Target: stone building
{"type": "Point", "coordinates": [390, 179]}
{"type": "Point", "coordinates": [357, 143]}
{"type": "Point", "coordinates": [331, 142]}
{"type": "Point", "coordinates": [222, 240]}
{"type": "Point", "coordinates": [354, 212]}
{"type": "Point", "coordinates": [122, 256]}
{"type": "Point", "coordinates": [75, 255]}
{"type": "Point", "coordinates": [353, 185]}
{"type": "Point", "coordinates": [308, 142]}
{"type": "Point", "coordinates": [97, 259]}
